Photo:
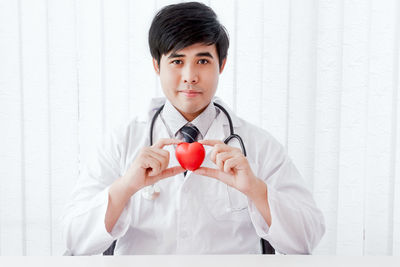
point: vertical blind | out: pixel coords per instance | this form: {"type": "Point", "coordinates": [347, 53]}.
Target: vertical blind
{"type": "Point", "coordinates": [322, 76]}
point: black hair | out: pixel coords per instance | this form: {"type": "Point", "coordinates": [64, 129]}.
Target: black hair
{"type": "Point", "coordinates": [181, 25]}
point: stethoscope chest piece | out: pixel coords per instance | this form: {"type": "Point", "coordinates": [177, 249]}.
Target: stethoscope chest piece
{"type": "Point", "coordinates": [151, 192]}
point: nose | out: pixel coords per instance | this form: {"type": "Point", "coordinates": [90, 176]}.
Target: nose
{"type": "Point", "coordinates": [190, 75]}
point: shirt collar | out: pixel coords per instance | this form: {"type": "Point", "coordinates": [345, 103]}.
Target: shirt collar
{"type": "Point", "coordinates": [175, 121]}
{"type": "Point", "coordinates": [157, 102]}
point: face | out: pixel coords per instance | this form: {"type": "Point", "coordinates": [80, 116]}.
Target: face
{"type": "Point", "coordinates": [189, 78]}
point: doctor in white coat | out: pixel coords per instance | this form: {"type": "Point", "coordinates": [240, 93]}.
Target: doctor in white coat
{"type": "Point", "coordinates": [226, 205]}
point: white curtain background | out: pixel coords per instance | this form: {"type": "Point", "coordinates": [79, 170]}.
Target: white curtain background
{"type": "Point", "coordinates": [321, 75]}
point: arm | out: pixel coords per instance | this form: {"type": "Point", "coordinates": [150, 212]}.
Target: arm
{"type": "Point", "coordinates": [99, 209]}
{"type": "Point", "coordinates": [149, 167]}
{"type": "Point", "coordinates": [259, 196]}
{"type": "Point", "coordinates": [118, 197]}
{"type": "Point", "coordinates": [297, 223]}
{"type": "Point", "coordinates": [281, 208]}
{"type": "Point", "coordinates": [83, 220]}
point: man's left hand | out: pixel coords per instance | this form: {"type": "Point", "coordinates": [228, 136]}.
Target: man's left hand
{"type": "Point", "coordinates": [233, 167]}
{"type": "Point", "coordinates": [235, 171]}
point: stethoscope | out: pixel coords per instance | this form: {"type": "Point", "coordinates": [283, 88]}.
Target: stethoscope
{"type": "Point", "coordinates": [153, 191]}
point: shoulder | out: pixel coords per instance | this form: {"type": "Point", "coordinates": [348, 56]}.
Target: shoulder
{"type": "Point", "coordinates": [260, 144]}
{"type": "Point", "coordinates": [135, 128]}
{"type": "Point", "coordinates": [262, 135]}
{"type": "Point", "coordinates": [123, 132]}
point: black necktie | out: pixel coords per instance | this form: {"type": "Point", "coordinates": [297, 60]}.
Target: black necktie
{"type": "Point", "coordinates": [189, 135]}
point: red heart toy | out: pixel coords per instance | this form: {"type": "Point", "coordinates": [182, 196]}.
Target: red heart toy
{"type": "Point", "coordinates": [190, 155]}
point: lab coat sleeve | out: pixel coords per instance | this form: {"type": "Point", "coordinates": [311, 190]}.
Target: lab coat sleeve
{"type": "Point", "coordinates": [297, 225]}
{"type": "Point", "coordinates": [84, 217]}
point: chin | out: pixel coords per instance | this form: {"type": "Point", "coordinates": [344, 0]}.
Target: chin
{"type": "Point", "coordinates": [191, 110]}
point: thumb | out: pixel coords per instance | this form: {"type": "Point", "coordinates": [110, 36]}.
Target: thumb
{"type": "Point", "coordinates": [208, 172]}
{"type": "Point", "coordinates": [170, 172]}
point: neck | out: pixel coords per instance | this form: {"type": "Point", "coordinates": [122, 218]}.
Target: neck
{"type": "Point", "coordinates": [191, 116]}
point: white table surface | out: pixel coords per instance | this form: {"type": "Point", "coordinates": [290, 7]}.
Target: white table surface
{"type": "Point", "coordinates": [203, 261]}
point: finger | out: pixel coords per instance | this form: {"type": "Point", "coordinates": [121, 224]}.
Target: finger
{"type": "Point", "coordinates": [220, 159]}
{"type": "Point", "coordinates": [151, 163]}
{"type": "Point", "coordinates": [231, 165]}
{"type": "Point", "coordinates": [210, 142]}
{"type": "Point", "coordinates": [218, 143]}
{"type": "Point", "coordinates": [219, 148]}
{"type": "Point", "coordinates": [170, 172]}
{"type": "Point", "coordinates": [217, 174]}
{"type": "Point", "coordinates": [214, 173]}
{"type": "Point", "coordinates": [160, 151]}
{"type": "Point", "coordinates": [164, 174]}
{"type": "Point", "coordinates": [160, 158]}
{"type": "Point", "coordinates": [162, 155]}
{"type": "Point", "coordinates": [166, 141]}
{"type": "Point", "coordinates": [163, 164]}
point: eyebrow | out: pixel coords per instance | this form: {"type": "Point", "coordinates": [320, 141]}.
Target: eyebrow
{"type": "Point", "coordinates": [201, 54]}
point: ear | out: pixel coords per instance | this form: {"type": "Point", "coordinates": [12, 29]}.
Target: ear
{"type": "Point", "coordinates": [156, 66]}
{"type": "Point", "coordinates": [222, 66]}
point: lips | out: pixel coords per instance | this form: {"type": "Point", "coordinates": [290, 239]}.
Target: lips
{"type": "Point", "coordinates": [190, 93]}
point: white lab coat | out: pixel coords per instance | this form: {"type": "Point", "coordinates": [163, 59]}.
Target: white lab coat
{"type": "Point", "coordinates": [193, 214]}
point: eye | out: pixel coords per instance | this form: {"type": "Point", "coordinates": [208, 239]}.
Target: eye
{"type": "Point", "coordinates": [203, 61]}
{"type": "Point", "coordinates": [176, 62]}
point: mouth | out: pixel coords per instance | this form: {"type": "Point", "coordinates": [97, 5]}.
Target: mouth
{"type": "Point", "coordinates": [190, 93]}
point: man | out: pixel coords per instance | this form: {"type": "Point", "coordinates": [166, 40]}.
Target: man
{"type": "Point", "coordinates": [223, 207]}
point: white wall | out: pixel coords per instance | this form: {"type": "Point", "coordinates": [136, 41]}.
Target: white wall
{"type": "Point", "coordinates": [322, 76]}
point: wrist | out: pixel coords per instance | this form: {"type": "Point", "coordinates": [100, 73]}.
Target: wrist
{"type": "Point", "coordinates": [258, 189]}
{"type": "Point", "coordinates": [127, 186]}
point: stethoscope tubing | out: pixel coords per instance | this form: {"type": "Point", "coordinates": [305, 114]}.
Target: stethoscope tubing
{"type": "Point", "coordinates": [226, 141]}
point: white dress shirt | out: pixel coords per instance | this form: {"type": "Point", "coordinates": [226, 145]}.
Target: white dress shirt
{"type": "Point", "coordinates": [193, 214]}
{"type": "Point", "coordinates": [174, 120]}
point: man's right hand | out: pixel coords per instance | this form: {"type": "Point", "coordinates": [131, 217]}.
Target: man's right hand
{"type": "Point", "coordinates": [150, 166]}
